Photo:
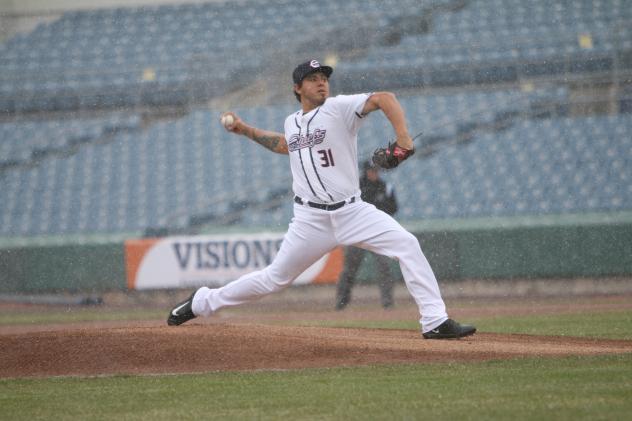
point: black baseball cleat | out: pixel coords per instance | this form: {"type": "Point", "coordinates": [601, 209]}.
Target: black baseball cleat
{"type": "Point", "coordinates": [450, 330]}
{"type": "Point", "coordinates": [181, 313]}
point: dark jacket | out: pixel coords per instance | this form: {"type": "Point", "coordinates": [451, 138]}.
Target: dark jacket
{"type": "Point", "coordinates": [378, 193]}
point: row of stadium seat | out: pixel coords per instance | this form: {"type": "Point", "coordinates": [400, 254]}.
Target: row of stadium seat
{"type": "Point", "coordinates": [171, 173]}
{"type": "Point", "coordinates": [168, 54]}
{"type": "Point", "coordinates": [506, 41]}
{"type": "Point", "coordinates": [544, 166]}
{"type": "Point", "coordinates": [22, 142]}
{"type": "Point", "coordinates": [120, 50]}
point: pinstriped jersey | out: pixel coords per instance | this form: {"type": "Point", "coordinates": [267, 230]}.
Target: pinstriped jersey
{"type": "Point", "coordinates": [323, 149]}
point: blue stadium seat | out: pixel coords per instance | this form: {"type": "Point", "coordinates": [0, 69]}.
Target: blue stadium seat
{"type": "Point", "coordinates": [501, 38]}
{"type": "Point", "coordinates": [168, 173]}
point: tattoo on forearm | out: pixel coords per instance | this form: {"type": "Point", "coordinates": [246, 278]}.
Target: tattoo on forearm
{"type": "Point", "coordinates": [270, 142]}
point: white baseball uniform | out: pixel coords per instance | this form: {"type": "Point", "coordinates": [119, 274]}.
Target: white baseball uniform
{"type": "Point", "coordinates": [328, 212]}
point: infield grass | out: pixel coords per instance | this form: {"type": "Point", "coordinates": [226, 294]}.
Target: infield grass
{"type": "Point", "coordinates": [574, 388]}
{"type": "Point", "coordinates": [74, 315]}
{"type": "Point", "coordinates": [605, 325]}
{"type": "Point", "coordinates": [612, 324]}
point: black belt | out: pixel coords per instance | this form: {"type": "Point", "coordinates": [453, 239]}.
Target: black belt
{"type": "Point", "coordinates": [330, 207]}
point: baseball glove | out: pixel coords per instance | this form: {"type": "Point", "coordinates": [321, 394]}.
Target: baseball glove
{"type": "Point", "coordinates": [391, 156]}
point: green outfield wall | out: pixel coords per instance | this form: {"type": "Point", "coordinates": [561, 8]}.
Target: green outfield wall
{"type": "Point", "coordinates": [598, 245]}
{"type": "Point", "coordinates": [556, 246]}
{"type": "Point", "coordinates": [530, 252]}
{"type": "Point", "coordinates": [64, 267]}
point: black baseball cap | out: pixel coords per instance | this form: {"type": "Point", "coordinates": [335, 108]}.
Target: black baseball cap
{"type": "Point", "coordinates": [304, 69]}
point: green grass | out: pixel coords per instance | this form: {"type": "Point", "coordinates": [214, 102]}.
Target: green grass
{"type": "Point", "coordinates": [74, 315]}
{"type": "Point", "coordinates": [529, 389]}
{"type": "Point", "coordinates": [604, 325]}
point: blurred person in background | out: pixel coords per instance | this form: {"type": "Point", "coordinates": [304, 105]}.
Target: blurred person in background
{"type": "Point", "coordinates": [381, 194]}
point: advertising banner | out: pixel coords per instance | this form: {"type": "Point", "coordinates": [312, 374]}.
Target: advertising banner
{"type": "Point", "coordinates": [212, 260]}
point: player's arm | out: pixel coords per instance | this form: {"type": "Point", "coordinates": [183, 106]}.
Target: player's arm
{"type": "Point", "coordinates": [273, 141]}
{"type": "Point", "coordinates": [392, 109]}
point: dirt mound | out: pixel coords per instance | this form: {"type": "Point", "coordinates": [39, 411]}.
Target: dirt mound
{"type": "Point", "coordinates": [222, 346]}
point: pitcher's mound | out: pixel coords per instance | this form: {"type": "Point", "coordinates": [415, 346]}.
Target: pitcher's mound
{"type": "Point", "coordinates": [216, 347]}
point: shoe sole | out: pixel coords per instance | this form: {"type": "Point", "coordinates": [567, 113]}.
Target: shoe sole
{"type": "Point", "coordinates": [177, 322]}
{"type": "Point", "coordinates": [449, 336]}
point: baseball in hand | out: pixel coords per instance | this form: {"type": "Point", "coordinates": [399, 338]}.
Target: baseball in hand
{"type": "Point", "coordinates": [227, 120]}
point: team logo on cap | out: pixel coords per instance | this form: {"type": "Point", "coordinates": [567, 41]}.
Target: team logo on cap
{"type": "Point", "coordinates": [314, 63]}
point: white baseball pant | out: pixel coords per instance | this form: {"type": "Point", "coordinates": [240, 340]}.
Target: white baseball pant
{"type": "Point", "coordinates": [315, 232]}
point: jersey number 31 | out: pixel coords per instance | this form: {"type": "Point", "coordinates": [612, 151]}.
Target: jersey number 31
{"type": "Point", "coordinates": [326, 157]}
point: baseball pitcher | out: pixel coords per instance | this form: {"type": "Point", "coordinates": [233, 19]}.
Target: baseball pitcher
{"type": "Point", "coordinates": [321, 141]}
